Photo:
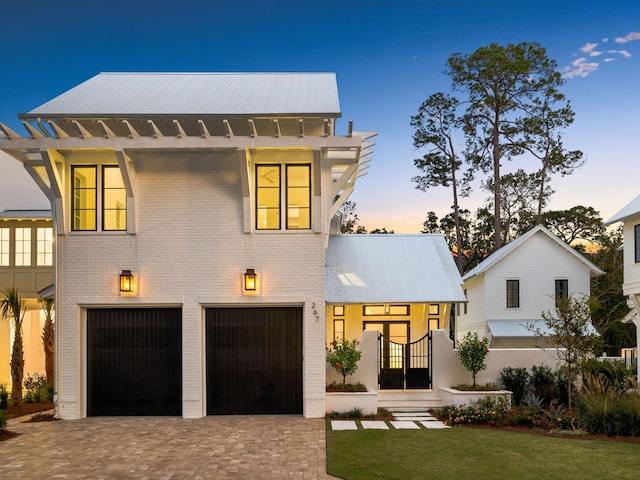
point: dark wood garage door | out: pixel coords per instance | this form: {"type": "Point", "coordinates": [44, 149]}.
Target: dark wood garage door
{"type": "Point", "coordinates": [134, 361]}
{"type": "Point", "coordinates": [254, 360]}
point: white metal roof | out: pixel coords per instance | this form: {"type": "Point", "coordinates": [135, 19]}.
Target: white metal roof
{"type": "Point", "coordinates": [391, 268]}
{"type": "Point", "coordinates": [198, 93]}
{"type": "Point", "coordinates": [632, 208]}
{"type": "Point", "coordinates": [25, 214]}
{"type": "Point", "coordinates": [516, 328]}
{"type": "Point", "coordinates": [498, 255]}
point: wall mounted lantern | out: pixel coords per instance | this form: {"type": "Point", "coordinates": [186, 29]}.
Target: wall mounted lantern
{"type": "Point", "coordinates": [126, 281]}
{"type": "Point", "coordinates": [250, 280]}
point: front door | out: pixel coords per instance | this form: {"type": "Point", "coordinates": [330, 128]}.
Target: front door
{"type": "Point", "coordinates": [393, 337]}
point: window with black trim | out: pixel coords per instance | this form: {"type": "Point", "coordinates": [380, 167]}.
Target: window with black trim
{"type": "Point", "coordinates": [287, 185]}
{"type": "Point", "coordinates": [636, 232]}
{"type": "Point", "coordinates": [561, 290]}
{"type": "Point", "coordinates": [86, 206]}
{"type": "Point", "coordinates": [513, 293]}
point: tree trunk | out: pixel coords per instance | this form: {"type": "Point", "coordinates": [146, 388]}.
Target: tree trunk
{"type": "Point", "coordinates": [17, 367]}
{"type": "Point", "coordinates": [48, 342]}
{"type": "Point", "coordinates": [497, 200]}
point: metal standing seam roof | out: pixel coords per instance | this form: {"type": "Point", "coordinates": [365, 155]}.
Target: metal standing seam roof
{"type": "Point", "coordinates": [632, 208]}
{"type": "Point", "coordinates": [25, 214]}
{"type": "Point", "coordinates": [520, 328]}
{"type": "Point", "coordinates": [197, 93]}
{"type": "Point", "coordinates": [391, 268]}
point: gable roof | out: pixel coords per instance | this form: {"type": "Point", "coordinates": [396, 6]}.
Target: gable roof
{"type": "Point", "coordinates": [391, 268]}
{"type": "Point", "coordinates": [632, 208]}
{"type": "Point", "coordinates": [495, 257]}
{"type": "Point", "coordinates": [197, 93]}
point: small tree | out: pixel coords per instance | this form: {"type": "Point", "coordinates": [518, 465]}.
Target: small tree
{"type": "Point", "coordinates": [344, 357]}
{"type": "Point", "coordinates": [12, 308]}
{"type": "Point", "coordinates": [472, 353]}
{"type": "Point", "coordinates": [570, 331]}
{"type": "Point", "coordinates": [48, 336]}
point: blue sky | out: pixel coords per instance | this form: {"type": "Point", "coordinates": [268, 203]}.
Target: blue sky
{"type": "Point", "coordinates": [388, 56]}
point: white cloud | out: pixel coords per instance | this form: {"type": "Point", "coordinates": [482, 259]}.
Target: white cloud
{"type": "Point", "coordinates": [605, 39]}
{"type": "Point", "coordinates": [632, 36]}
{"type": "Point", "coordinates": [607, 60]}
{"type": "Point", "coordinates": [589, 49]}
{"type": "Point", "coordinates": [580, 68]}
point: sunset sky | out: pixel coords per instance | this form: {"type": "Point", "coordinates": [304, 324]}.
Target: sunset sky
{"type": "Point", "coordinates": [388, 56]}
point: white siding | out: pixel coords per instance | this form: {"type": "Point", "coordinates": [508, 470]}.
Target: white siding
{"type": "Point", "coordinates": [631, 283]}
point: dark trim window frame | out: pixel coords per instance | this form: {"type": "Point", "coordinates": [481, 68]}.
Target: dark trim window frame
{"type": "Point", "coordinates": [636, 236]}
{"type": "Point", "coordinates": [561, 289]}
{"type": "Point", "coordinates": [98, 199]}
{"type": "Point", "coordinates": [513, 293]}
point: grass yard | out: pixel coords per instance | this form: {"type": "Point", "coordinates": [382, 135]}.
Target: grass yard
{"type": "Point", "coordinates": [473, 453]}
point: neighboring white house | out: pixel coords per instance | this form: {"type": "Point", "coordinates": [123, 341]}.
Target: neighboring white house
{"type": "Point", "coordinates": [510, 288]}
{"type": "Point", "coordinates": [192, 217]}
{"type": "Point", "coordinates": [26, 264]}
{"type": "Point", "coordinates": [630, 218]}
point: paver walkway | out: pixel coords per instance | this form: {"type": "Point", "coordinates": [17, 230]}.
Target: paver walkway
{"type": "Point", "coordinates": [238, 447]}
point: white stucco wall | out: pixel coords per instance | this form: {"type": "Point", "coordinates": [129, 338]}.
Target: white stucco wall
{"type": "Point", "coordinates": [189, 251]}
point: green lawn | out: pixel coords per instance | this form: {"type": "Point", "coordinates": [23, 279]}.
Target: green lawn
{"type": "Point", "coordinates": [473, 454]}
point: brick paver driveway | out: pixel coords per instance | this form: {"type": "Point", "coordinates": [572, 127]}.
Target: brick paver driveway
{"type": "Point", "coordinates": [264, 447]}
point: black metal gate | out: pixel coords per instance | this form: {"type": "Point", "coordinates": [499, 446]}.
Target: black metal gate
{"type": "Point", "coordinates": [404, 366]}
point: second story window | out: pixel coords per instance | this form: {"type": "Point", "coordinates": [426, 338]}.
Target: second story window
{"type": "Point", "coordinates": [513, 293]}
{"type": "Point", "coordinates": [4, 246]}
{"type": "Point", "coordinates": [44, 247]}
{"type": "Point", "coordinates": [23, 247]}
{"type": "Point", "coordinates": [112, 205]}
{"type": "Point", "coordinates": [295, 196]}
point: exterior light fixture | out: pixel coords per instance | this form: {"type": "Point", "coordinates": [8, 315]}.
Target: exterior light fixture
{"type": "Point", "coordinates": [250, 280]}
{"type": "Point", "coordinates": [126, 281]}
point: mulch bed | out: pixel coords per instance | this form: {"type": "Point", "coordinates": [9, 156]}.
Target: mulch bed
{"type": "Point", "coordinates": [15, 411]}
{"type": "Point", "coordinates": [547, 433]}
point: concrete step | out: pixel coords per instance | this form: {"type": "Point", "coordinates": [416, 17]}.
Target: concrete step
{"type": "Point", "coordinates": [408, 400]}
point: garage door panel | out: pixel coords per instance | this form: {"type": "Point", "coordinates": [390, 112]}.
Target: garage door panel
{"type": "Point", "coordinates": [134, 362]}
{"type": "Point", "coordinates": [254, 360]}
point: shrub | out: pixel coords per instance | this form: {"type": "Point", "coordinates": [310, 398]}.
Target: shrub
{"type": "Point", "coordinates": [487, 387]}
{"type": "Point", "coordinates": [543, 382]}
{"type": "Point", "coordinates": [485, 410]}
{"type": "Point", "coordinates": [36, 388]}
{"type": "Point", "coordinates": [616, 372]}
{"type": "Point", "coordinates": [515, 380]}
{"type": "Point", "coordinates": [344, 357]}
{"type": "Point", "coordinates": [472, 353]}
{"type": "Point", "coordinates": [4, 397]}
{"type": "Point", "coordinates": [3, 421]}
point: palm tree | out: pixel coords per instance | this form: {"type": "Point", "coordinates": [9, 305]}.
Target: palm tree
{"type": "Point", "coordinates": [12, 308]}
{"type": "Point", "coordinates": [47, 336]}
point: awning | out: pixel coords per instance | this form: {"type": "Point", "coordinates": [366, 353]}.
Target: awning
{"type": "Point", "coordinates": [522, 328]}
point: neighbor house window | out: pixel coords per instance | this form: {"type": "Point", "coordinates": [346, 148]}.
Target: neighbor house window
{"type": "Point", "coordinates": [636, 231]}
{"type": "Point", "coordinates": [338, 329]}
{"type": "Point", "coordinates": [85, 208]}
{"type": "Point", "coordinates": [562, 289]}
{"type": "Point", "coordinates": [23, 247]}
{"type": "Point", "coordinates": [44, 247]}
{"type": "Point", "coordinates": [4, 247]}
{"type": "Point", "coordinates": [296, 180]}
{"type": "Point", "coordinates": [513, 293]}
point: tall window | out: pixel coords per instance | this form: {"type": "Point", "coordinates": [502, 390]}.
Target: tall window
{"type": "Point", "coordinates": [4, 247]}
{"type": "Point", "coordinates": [513, 293]}
{"type": "Point", "coordinates": [44, 247]}
{"type": "Point", "coordinates": [562, 289]}
{"type": "Point", "coordinates": [23, 247]}
{"type": "Point", "coordinates": [113, 201]}
{"type": "Point", "coordinates": [84, 198]}
{"type": "Point", "coordinates": [268, 197]}
{"type": "Point", "coordinates": [636, 231]}
{"type": "Point", "coordinates": [296, 179]}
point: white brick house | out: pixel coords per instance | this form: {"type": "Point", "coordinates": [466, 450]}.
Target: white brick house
{"type": "Point", "coordinates": [188, 181]}
{"type": "Point", "coordinates": [511, 287]}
